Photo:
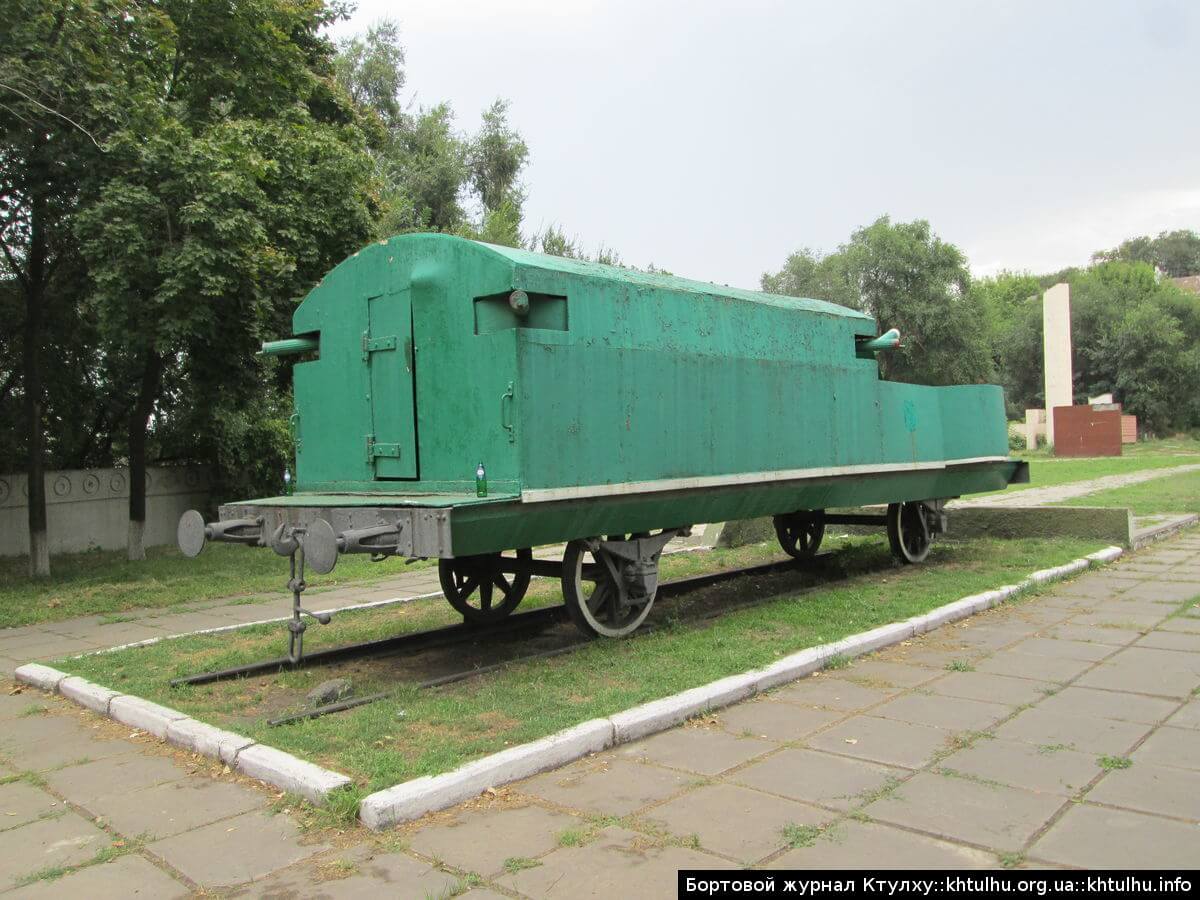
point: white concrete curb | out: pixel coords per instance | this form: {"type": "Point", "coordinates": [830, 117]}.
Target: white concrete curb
{"type": "Point", "coordinates": [276, 768]}
{"type": "Point", "coordinates": [413, 799]}
{"type": "Point", "coordinates": [289, 772]}
{"type": "Point", "coordinates": [83, 692]}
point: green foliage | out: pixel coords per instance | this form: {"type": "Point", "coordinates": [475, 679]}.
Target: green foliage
{"type": "Point", "coordinates": [495, 158]}
{"type": "Point", "coordinates": [370, 69]}
{"type": "Point", "coordinates": [810, 273]}
{"type": "Point", "coordinates": [906, 277]}
{"type": "Point", "coordinates": [1133, 333]}
{"type": "Point", "coordinates": [1174, 253]}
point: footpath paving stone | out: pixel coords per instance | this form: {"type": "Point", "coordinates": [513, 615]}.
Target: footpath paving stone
{"type": "Point", "coordinates": [64, 841]}
{"type": "Point", "coordinates": [21, 802]}
{"type": "Point", "coordinates": [176, 806]}
{"type": "Point", "coordinates": [833, 693]}
{"type": "Point", "coordinates": [886, 741]}
{"type": "Point", "coordinates": [952, 713]}
{"type": "Point", "coordinates": [880, 674]}
{"type": "Point", "coordinates": [1169, 746]}
{"type": "Point", "coordinates": [870, 845]}
{"type": "Point", "coordinates": [1044, 769]}
{"type": "Point", "coordinates": [1119, 619]}
{"type": "Point", "coordinates": [1144, 670]}
{"type": "Point", "coordinates": [1111, 637]}
{"type": "Point", "coordinates": [118, 775]}
{"type": "Point", "coordinates": [1082, 701]}
{"type": "Point", "coordinates": [1092, 586]}
{"type": "Point", "coordinates": [1087, 651]}
{"type": "Point", "coordinates": [126, 876]}
{"type": "Point", "coordinates": [706, 751]}
{"type": "Point", "coordinates": [1000, 818]}
{"type": "Point", "coordinates": [1035, 668]}
{"type": "Point", "coordinates": [821, 778]}
{"type": "Point", "coordinates": [1160, 591]}
{"type": "Point", "coordinates": [65, 743]}
{"type": "Point", "coordinates": [618, 863]}
{"type": "Point", "coordinates": [370, 875]}
{"type": "Point", "coordinates": [1086, 734]}
{"type": "Point", "coordinates": [1184, 642]}
{"type": "Point", "coordinates": [482, 840]}
{"type": "Point", "coordinates": [990, 688]}
{"type": "Point", "coordinates": [708, 811]}
{"type": "Point", "coordinates": [1094, 837]}
{"type": "Point", "coordinates": [14, 706]}
{"type": "Point", "coordinates": [1153, 789]}
{"type": "Point", "coordinates": [235, 850]}
{"type": "Point", "coordinates": [608, 786]}
{"type": "Point", "coordinates": [1188, 716]}
{"type": "Point", "coordinates": [774, 721]}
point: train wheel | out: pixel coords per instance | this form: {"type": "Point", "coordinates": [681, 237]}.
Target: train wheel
{"type": "Point", "coordinates": [477, 588]}
{"type": "Point", "coordinates": [800, 533]}
{"type": "Point", "coordinates": [596, 601]}
{"type": "Point", "coordinates": [908, 532]}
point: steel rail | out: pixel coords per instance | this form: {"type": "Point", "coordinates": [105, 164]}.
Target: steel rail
{"type": "Point", "coordinates": [450, 635]}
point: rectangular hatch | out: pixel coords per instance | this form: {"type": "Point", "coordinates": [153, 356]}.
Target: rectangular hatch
{"type": "Point", "coordinates": [391, 444]}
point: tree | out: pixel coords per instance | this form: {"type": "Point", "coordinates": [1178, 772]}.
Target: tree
{"type": "Point", "coordinates": [238, 178]}
{"type": "Point", "coordinates": [1156, 371]}
{"type": "Point", "coordinates": [424, 169]}
{"type": "Point", "coordinates": [1174, 253]}
{"type": "Point", "coordinates": [1010, 305]}
{"type": "Point", "coordinates": [906, 277]}
{"type": "Point", "coordinates": [58, 63]}
{"type": "Point", "coordinates": [495, 158]}
{"type": "Point", "coordinates": [818, 276]}
{"type": "Point", "coordinates": [370, 69]}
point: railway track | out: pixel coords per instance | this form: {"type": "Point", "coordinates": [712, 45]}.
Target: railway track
{"type": "Point", "coordinates": [530, 622]}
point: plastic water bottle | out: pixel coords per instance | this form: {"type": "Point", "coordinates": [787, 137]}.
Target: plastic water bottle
{"type": "Point", "coordinates": [480, 481]}
{"type": "Point", "coordinates": [287, 482]}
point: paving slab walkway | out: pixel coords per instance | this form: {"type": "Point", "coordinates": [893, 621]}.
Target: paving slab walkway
{"type": "Point", "coordinates": [1062, 730]}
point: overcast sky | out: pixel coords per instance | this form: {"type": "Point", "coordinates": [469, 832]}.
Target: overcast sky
{"type": "Point", "coordinates": [712, 139]}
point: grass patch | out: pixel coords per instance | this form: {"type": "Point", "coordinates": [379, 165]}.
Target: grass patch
{"type": "Point", "coordinates": [1046, 470]}
{"type": "Point", "coordinates": [515, 864]}
{"type": "Point", "coordinates": [1011, 860]}
{"type": "Point", "coordinates": [1111, 763]}
{"type": "Point", "coordinates": [959, 665]}
{"type": "Point", "coordinates": [571, 837]}
{"type": "Point", "coordinates": [414, 732]}
{"type": "Point", "coordinates": [1177, 494]}
{"type": "Point", "coordinates": [838, 661]}
{"type": "Point", "coordinates": [115, 850]}
{"type": "Point", "coordinates": [1047, 749]}
{"type": "Point", "coordinates": [801, 835]}
{"type": "Point", "coordinates": [106, 583]}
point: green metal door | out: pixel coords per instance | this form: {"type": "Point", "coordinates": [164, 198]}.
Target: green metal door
{"type": "Point", "coordinates": [387, 354]}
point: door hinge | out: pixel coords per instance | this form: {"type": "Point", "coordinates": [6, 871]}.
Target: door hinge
{"type": "Point", "coordinates": [376, 449]}
{"type": "Point", "coordinates": [374, 345]}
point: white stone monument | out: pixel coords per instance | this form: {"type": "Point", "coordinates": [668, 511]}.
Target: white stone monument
{"type": "Point", "coordinates": [1056, 347]}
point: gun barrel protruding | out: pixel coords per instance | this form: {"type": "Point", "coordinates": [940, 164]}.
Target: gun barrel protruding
{"type": "Point", "coordinates": [889, 340]}
{"type": "Point", "coordinates": [289, 346]}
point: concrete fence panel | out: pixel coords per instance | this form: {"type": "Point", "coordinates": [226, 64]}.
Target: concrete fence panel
{"type": "Point", "coordinates": [89, 508]}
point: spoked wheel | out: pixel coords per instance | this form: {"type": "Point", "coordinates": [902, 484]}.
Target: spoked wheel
{"type": "Point", "coordinates": [477, 588]}
{"type": "Point", "coordinates": [595, 600]}
{"type": "Point", "coordinates": [908, 531]}
{"type": "Point", "coordinates": [800, 533]}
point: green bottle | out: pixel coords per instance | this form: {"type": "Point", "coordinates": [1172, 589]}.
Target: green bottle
{"type": "Point", "coordinates": [480, 481]}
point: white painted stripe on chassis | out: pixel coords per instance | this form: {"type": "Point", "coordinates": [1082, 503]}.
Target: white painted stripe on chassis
{"type": "Point", "coordinates": [545, 495]}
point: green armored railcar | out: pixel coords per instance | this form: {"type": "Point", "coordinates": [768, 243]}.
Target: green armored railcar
{"type": "Point", "coordinates": [598, 401]}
